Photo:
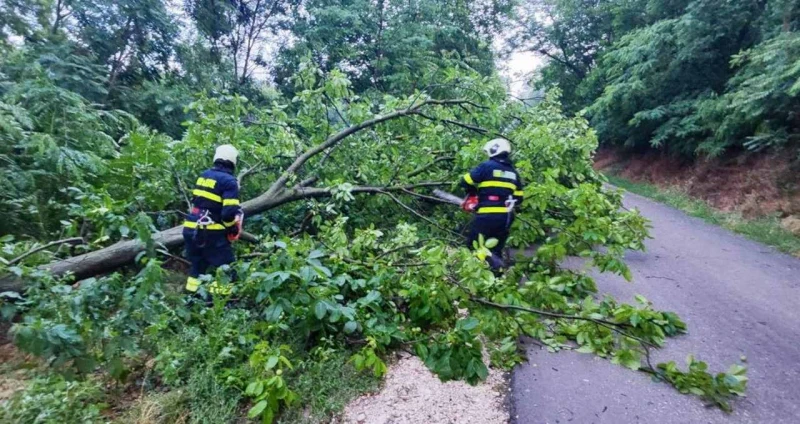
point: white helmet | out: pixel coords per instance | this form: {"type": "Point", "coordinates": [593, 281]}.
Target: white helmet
{"type": "Point", "coordinates": [497, 146]}
{"type": "Point", "coordinates": [226, 152]}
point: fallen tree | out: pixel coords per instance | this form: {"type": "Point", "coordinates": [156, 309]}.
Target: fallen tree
{"type": "Point", "coordinates": [124, 252]}
{"type": "Point", "coordinates": [371, 266]}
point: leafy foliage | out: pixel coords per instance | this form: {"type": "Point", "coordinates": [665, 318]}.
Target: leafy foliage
{"type": "Point", "coordinates": [363, 275]}
{"type": "Point", "coordinates": [687, 77]}
{"type": "Point", "coordinates": [53, 399]}
{"type": "Point", "coordinates": [390, 46]}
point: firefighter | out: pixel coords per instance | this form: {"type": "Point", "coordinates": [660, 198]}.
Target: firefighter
{"type": "Point", "coordinates": [494, 192]}
{"type": "Point", "coordinates": [214, 221]}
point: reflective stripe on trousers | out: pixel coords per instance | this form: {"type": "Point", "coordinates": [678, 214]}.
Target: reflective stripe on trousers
{"type": "Point", "coordinates": [193, 284]}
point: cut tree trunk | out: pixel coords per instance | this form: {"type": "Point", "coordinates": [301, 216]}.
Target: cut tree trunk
{"type": "Point", "coordinates": [124, 253]}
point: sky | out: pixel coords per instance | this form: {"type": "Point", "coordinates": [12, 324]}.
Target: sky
{"type": "Point", "coordinates": [518, 68]}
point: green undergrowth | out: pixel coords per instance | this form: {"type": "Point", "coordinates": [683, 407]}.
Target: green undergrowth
{"type": "Point", "coordinates": [326, 386]}
{"type": "Point", "coordinates": [765, 229]}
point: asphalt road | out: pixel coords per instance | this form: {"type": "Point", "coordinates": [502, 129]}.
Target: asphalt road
{"type": "Point", "coordinates": [737, 297]}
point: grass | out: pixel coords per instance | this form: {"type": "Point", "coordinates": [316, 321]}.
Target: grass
{"type": "Point", "coordinates": [325, 387]}
{"type": "Point", "coordinates": [765, 230]}
{"type": "Point", "coordinates": [158, 408]}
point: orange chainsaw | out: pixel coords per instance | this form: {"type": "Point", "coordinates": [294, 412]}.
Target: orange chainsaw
{"type": "Point", "coordinates": [468, 204]}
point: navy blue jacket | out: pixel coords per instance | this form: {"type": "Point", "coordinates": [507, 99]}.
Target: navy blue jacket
{"type": "Point", "coordinates": [216, 193]}
{"type": "Point", "coordinates": [494, 181]}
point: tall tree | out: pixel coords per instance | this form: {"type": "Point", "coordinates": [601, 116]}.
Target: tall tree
{"type": "Point", "coordinates": [134, 38]}
{"type": "Point", "coordinates": [573, 34]}
{"type": "Point", "coordinates": [32, 19]}
{"type": "Point", "coordinates": [762, 103]}
{"type": "Point", "coordinates": [687, 76]}
{"type": "Point", "coordinates": [390, 45]}
{"type": "Point", "coordinates": [238, 30]}
{"type": "Point", "coordinates": [658, 78]}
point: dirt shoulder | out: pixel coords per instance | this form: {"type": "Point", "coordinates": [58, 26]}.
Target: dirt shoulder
{"type": "Point", "coordinates": [751, 184]}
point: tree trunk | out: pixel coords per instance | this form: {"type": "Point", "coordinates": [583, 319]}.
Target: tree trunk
{"type": "Point", "coordinates": [124, 253]}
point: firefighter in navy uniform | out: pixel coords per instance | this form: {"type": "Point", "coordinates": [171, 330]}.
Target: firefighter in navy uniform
{"type": "Point", "coordinates": [214, 221]}
{"type": "Point", "coordinates": [494, 191]}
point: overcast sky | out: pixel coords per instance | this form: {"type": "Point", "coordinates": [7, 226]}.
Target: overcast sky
{"type": "Point", "coordinates": [518, 69]}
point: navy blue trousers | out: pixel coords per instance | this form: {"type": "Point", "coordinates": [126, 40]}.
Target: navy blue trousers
{"type": "Point", "coordinates": [491, 225]}
{"type": "Point", "coordinates": [211, 249]}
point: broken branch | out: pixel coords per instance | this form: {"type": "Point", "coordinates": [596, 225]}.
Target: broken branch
{"type": "Point", "coordinates": [74, 241]}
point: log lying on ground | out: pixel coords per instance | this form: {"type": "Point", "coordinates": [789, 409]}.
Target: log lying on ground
{"type": "Point", "coordinates": [124, 253]}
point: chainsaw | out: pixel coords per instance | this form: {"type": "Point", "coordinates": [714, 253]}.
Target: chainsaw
{"type": "Point", "coordinates": [468, 204]}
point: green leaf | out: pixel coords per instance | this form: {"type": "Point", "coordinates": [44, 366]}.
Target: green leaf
{"type": "Point", "coordinates": [481, 370]}
{"type": "Point", "coordinates": [251, 389]}
{"type": "Point", "coordinates": [320, 309]}
{"type": "Point", "coordinates": [257, 409]}
{"type": "Point", "coordinates": [632, 363]}
{"type": "Point", "coordinates": [697, 391]}
{"type": "Point", "coordinates": [350, 326]}
{"type": "Point", "coordinates": [273, 312]}
{"type": "Point", "coordinates": [468, 324]}
{"type": "Point", "coordinates": [271, 362]}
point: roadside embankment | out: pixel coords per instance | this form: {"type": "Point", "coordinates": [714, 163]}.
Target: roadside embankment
{"type": "Point", "coordinates": [757, 196]}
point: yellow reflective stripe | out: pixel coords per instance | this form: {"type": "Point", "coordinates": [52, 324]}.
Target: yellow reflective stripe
{"type": "Point", "coordinates": [229, 224]}
{"type": "Point", "coordinates": [493, 209]}
{"type": "Point", "coordinates": [230, 202]}
{"type": "Point", "coordinates": [206, 182]}
{"type": "Point", "coordinates": [519, 193]}
{"type": "Point", "coordinates": [501, 184]}
{"type": "Point", "coordinates": [192, 284]}
{"type": "Point", "coordinates": [208, 195]}
{"type": "Point", "coordinates": [192, 224]}
{"type": "Point", "coordinates": [216, 288]}
{"type": "Point", "coordinates": [468, 179]}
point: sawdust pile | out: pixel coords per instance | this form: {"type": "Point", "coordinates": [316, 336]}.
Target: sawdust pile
{"type": "Point", "coordinates": [413, 395]}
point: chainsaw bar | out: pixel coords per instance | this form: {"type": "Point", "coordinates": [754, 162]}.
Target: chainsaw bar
{"type": "Point", "coordinates": [447, 197]}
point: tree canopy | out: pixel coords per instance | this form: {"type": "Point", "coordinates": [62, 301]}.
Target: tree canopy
{"type": "Point", "coordinates": [687, 77]}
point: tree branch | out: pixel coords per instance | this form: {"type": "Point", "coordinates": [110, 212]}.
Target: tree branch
{"type": "Point", "coordinates": [419, 215]}
{"type": "Point", "coordinates": [182, 189]}
{"type": "Point", "coordinates": [428, 198]}
{"type": "Point", "coordinates": [336, 109]}
{"type": "Point", "coordinates": [479, 130]}
{"type": "Point", "coordinates": [280, 183]}
{"type": "Point", "coordinates": [250, 171]}
{"type": "Point", "coordinates": [424, 168]}
{"type": "Point", "coordinates": [613, 326]}
{"type": "Point", "coordinates": [72, 241]}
